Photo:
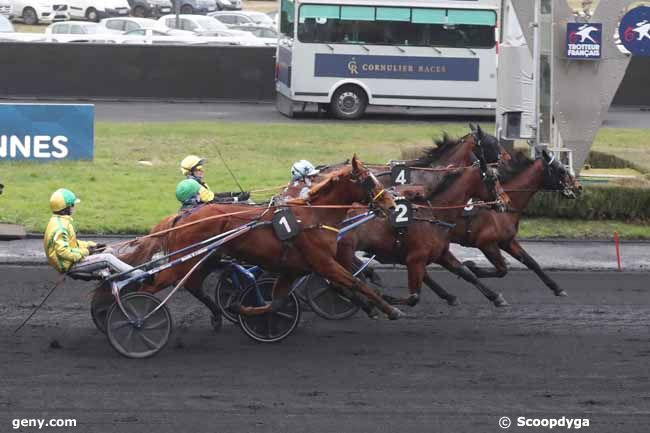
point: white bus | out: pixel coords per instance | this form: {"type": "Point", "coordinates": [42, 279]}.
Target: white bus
{"type": "Point", "coordinates": [347, 54]}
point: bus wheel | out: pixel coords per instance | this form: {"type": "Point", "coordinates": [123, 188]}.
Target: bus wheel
{"type": "Point", "coordinates": [349, 102]}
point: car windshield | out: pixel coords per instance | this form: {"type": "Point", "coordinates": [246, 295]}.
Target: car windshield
{"type": "Point", "coordinates": [209, 24]}
{"type": "Point", "coordinates": [5, 25]}
{"type": "Point", "coordinates": [87, 29]}
{"type": "Point", "coordinates": [260, 18]}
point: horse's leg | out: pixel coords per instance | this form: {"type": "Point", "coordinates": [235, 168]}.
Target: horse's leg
{"type": "Point", "coordinates": [280, 291]}
{"type": "Point", "coordinates": [194, 285]}
{"type": "Point", "coordinates": [451, 263]}
{"type": "Point", "coordinates": [415, 266]}
{"type": "Point", "coordinates": [368, 272]}
{"type": "Point", "coordinates": [493, 254]}
{"type": "Point", "coordinates": [438, 290]}
{"type": "Point", "coordinates": [515, 249]}
{"type": "Point", "coordinates": [333, 271]}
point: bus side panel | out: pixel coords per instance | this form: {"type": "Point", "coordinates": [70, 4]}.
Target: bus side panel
{"type": "Point", "coordinates": [283, 70]}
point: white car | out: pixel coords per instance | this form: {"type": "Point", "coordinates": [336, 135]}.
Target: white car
{"type": "Point", "coordinates": [6, 9]}
{"type": "Point", "coordinates": [35, 11]}
{"type": "Point", "coordinates": [94, 10]}
{"type": "Point", "coordinates": [76, 31]}
{"type": "Point", "coordinates": [241, 18]}
{"type": "Point", "coordinates": [126, 24]}
{"type": "Point", "coordinates": [6, 26]}
{"type": "Point", "coordinates": [264, 35]}
{"type": "Point", "coordinates": [204, 26]}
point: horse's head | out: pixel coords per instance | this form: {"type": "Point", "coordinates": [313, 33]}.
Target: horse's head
{"type": "Point", "coordinates": [493, 151]}
{"type": "Point", "coordinates": [489, 175]}
{"type": "Point", "coordinates": [557, 177]}
{"type": "Point", "coordinates": [373, 190]}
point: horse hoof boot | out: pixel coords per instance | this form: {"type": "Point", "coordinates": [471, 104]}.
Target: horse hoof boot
{"type": "Point", "coordinates": [217, 322]}
{"type": "Point", "coordinates": [413, 300]}
{"type": "Point", "coordinates": [500, 301]}
{"type": "Point", "coordinates": [561, 293]}
{"type": "Point", "coordinates": [453, 301]}
{"type": "Point", "coordinates": [372, 312]}
{"type": "Point", "coordinates": [396, 314]}
{"type": "Point", "coordinates": [470, 264]}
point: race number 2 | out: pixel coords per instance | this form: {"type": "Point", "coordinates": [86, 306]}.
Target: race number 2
{"type": "Point", "coordinates": [285, 224]}
{"type": "Point", "coordinates": [400, 175]}
{"type": "Point", "coordinates": [402, 215]}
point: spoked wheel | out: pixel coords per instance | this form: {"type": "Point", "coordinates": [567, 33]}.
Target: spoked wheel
{"type": "Point", "coordinates": [101, 304]}
{"type": "Point", "coordinates": [273, 326]}
{"type": "Point", "coordinates": [138, 338]}
{"type": "Point", "coordinates": [227, 292]}
{"type": "Point", "coordinates": [327, 301]}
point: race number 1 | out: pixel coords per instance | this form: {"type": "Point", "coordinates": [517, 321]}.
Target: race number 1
{"type": "Point", "coordinates": [402, 215]}
{"type": "Point", "coordinates": [285, 224]}
{"type": "Point", "coordinates": [400, 175]}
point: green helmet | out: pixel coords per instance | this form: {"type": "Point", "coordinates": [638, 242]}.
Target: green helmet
{"type": "Point", "coordinates": [187, 189]}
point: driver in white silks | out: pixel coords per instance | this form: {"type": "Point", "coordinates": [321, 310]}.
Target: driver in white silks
{"type": "Point", "coordinates": [303, 171]}
{"type": "Point", "coordinates": [65, 252]}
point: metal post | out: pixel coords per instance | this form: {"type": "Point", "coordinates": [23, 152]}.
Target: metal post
{"type": "Point", "coordinates": [177, 4]}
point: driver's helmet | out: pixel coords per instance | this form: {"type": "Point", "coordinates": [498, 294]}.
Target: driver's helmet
{"type": "Point", "coordinates": [191, 163]}
{"type": "Point", "coordinates": [303, 169]}
{"type": "Point", "coordinates": [187, 189]}
{"type": "Point", "coordinates": [62, 199]}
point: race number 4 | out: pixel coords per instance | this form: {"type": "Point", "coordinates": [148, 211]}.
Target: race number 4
{"type": "Point", "coordinates": [400, 175]}
{"type": "Point", "coordinates": [285, 224]}
{"type": "Point", "coordinates": [402, 215]}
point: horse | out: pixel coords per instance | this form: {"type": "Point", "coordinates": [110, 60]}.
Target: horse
{"type": "Point", "coordinates": [313, 249]}
{"type": "Point", "coordinates": [492, 231]}
{"type": "Point", "coordinates": [425, 239]}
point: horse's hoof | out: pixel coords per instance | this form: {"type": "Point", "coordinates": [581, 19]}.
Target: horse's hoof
{"type": "Point", "coordinates": [372, 313]}
{"type": "Point", "coordinates": [395, 314]}
{"type": "Point", "coordinates": [500, 301]}
{"type": "Point", "coordinates": [453, 301]}
{"type": "Point", "coordinates": [217, 322]}
{"type": "Point", "coordinates": [235, 308]}
{"type": "Point", "coordinates": [561, 293]}
{"type": "Point", "coordinates": [413, 300]}
{"type": "Point", "coordinates": [470, 264]}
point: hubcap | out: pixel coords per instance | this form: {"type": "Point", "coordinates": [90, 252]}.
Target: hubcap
{"type": "Point", "coordinates": [349, 102]}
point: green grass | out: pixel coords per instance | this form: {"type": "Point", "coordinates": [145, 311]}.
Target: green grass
{"type": "Point", "coordinates": [629, 144]}
{"type": "Point", "coordinates": [120, 196]}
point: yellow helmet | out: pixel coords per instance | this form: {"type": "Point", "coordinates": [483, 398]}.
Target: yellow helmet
{"type": "Point", "coordinates": [61, 199]}
{"type": "Point", "coordinates": [190, 163]}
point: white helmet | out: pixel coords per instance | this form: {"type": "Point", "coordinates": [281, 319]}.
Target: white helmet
{"type": "Point", "coordinates": [303, 169]}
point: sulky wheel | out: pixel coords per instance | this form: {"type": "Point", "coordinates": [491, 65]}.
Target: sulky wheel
{"type": "Point", "coordinates": [327, 301]}
{"type": "Point", "coordinates": [138, 338]}
{"type": "Point", "coordinates": [270, 327]}
{"type": "Point", "coordinates": [226, 292]}
{"type": "Point", "coordinates": [101, 304]}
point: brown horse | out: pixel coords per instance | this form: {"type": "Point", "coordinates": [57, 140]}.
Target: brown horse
{"type": "Point", "coordinates": [425, 240]}
{"type": "Point", "coordinates": [312, 250]}
{"type": "Point", "coordinates": [492, 231]}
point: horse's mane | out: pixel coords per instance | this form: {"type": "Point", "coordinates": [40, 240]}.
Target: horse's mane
{"type": "Point", "coordinates": [432, 154]}
{"type": "Point", "coordinates": [509, 169]}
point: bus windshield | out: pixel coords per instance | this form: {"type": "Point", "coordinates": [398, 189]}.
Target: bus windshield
{"type": "Point", "coordinates": [369, 25]}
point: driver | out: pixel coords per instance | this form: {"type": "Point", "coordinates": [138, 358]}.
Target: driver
{"type": "Point", "coordinates": [303, 171]}
{"type": "Point", "coordinates": [64, 251]}
{"type": "Point", "coordinates": [192, 168]}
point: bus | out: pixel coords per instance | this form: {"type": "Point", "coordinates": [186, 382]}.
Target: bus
{"type": "Point", "coordinates": [345, 55]}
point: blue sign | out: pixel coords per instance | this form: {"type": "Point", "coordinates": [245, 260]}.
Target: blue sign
{"type": "Point", "coordinates": [396, 67]}
{"type": "Point", "coordinates": [584, 41]}
{"type": "Point", "coordinates": [635, 31]}
{"type": "Point", "coordinates": [46, 132]}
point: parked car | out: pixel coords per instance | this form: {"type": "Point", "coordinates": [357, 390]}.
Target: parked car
{"type": "Point", "coordinates": [35, 11]}
{"type": "Point", "coordinates": [229, 5]}
{"type": "Point", "coordinates": [197, 7]}
{"type": "Point", "coordinates": [95, 10]}
{"type": "Point", "coordinates": [206, 27]}
{"type": "Point", "coordinates": [275, 17]}
{"type": "Point", "coordinates": [121, 25]}
{"type": "Point", "coordinates": [265, 35]}
{"type": "Point", "coordinates": [150, 8]}
{"type": "Point", "coordinates": [6, 9]}
{"type": "Point", "coordinates": [76, 31]}
{"type": "Point", "coordinates": [243, 18]}
{"type": "Point", "coordinates": [6, 26]}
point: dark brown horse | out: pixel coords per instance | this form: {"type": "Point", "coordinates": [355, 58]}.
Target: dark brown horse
{"type": "Point", "coordinates": [425, 240]}
{"type": "Point", "coordinates": [312, 250]}
{"type": "Point", "coordinates": [492, 231]}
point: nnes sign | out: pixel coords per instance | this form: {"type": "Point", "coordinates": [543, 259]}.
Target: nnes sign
{"type": "Point", "coordinates": [46, 132]}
